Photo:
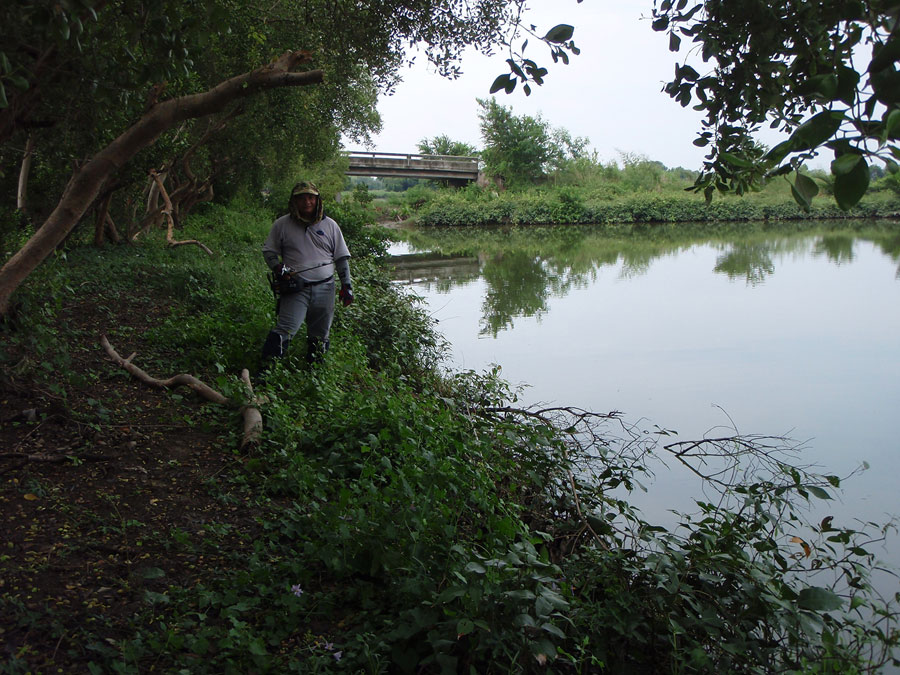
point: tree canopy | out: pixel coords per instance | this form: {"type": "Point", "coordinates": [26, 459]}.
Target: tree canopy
{"type": "Point", "coordinates": [823, 72]}
{"type": "Point", "coordinates": [521, 149]}
{"type": "Point", "coordinates": [74, 75]}
{"type": "Point", "coordinates": [444, 145]}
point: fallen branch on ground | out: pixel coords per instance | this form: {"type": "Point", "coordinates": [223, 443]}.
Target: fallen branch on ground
{"type": "Point", "coordinates": [250, 413]}
{"type": "Point", "coordinates": [252, 417]}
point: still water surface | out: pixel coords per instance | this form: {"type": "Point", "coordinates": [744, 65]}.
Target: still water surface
{"type": "Point", "coordinates": [767, 333]}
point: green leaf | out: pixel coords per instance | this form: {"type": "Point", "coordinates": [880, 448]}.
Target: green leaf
{"type": "Point", "coordinates": [848, 80]}
{"type": "Point", "coordinates": [818, 599]}
{"type": "Point", "coordinates": [3, 102]}
{"type": "Point", "coordinates": [524, 620]}
{"type": "Point", "coordinates": [816, 130]}
{"type": "Point", "coordinates": [475, 567]}
{"type": "Point", "coordinates": [521, 594]}
{"type": "Point", "coordinates": [819, 492]}
{"type": "Point", "coordinates": [515, 68]}
{"type": "Point", "coordinates": [806, 186]}
{"type": "Point", "coordinates": [736, 160]}
{"type": "Point", "coordinates": [553, 630]}
{"type": "Point", "coordinates": [884, 55]}
{"type": "Point", "coordinates": [156, 598]}
{"type": "Point", "coordinates": [803, 190]}
{"type": "Point", "coordinates": [660, 24]}
{"type": "Point", "coordinates": [822, 86]}
{"type": "Point", "coordinates": [687, 73]}
{"type": "Point", "coordinates": [845, 163]}
{"type": "Point", "coordinates": [780, 151]}
{"type": "Point", "coordinates": [850, 187]}
{"type": "Point", "coordinates": [153, 573]}
{"type": "Point", "coordinates": [674, 42]}
{"type": "Point", "coordinates": [502, 82]}
{"type": "Point", "coordinates": [451, 594]}
{"type": "Point", "coordinates": [464, 626]}
{"type": "Point", "coordinates": [257, 648]}
{"type": "Point", "coordinates": [891, 125]}
{"type": "Point", "coordinates": [560, 33]}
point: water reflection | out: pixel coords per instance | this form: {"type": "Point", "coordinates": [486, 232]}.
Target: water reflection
{"type": "Point", "coordinates": [838, 248]}
{"type": "Point", "coordinates": [523, 268]}
{"type": "Point", "coordinates": [753, 262]}
{"type": "Point", "coordinates": [791, 333]}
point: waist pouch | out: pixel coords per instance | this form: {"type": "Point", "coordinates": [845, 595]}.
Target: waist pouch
{"type": "Point", "coordinates": [294, 284]}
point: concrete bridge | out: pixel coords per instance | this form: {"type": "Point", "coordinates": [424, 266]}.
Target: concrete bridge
{"type": "Point", "coordinates": [459, 170]}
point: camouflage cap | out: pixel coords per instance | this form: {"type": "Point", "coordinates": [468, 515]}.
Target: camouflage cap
{"type": "Point", "coordinates": [305, 187]}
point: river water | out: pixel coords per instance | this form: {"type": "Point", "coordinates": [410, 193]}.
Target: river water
{"type": "Point", "coordinates": [756, 331]}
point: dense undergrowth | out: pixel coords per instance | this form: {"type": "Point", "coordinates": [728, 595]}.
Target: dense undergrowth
{"type": "Point", "coordinates": [407, 520]}
{"type": "Point", "coordinates": [605, 202]}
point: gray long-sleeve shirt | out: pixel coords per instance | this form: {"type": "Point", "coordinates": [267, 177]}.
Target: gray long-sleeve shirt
{"type": "Point", "coordinates": [314, 251]}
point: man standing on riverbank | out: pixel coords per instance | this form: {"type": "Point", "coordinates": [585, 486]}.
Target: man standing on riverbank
{"type": "Point", "coordinates": [304, 249]}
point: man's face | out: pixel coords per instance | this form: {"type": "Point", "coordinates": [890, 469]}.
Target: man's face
{"type": "Point", "coordinates": [306, 204]}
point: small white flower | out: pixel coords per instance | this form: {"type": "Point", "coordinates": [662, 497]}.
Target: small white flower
{"type": "Point", "coordinates": [296, 590]}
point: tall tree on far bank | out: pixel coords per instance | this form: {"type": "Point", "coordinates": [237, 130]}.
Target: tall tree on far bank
{"type": "Point", "coordinates": [824, 72]}
{"type": "Point", "coordinates": [444, 145]}
{"type": "Point", "coordinates": [521, 149]}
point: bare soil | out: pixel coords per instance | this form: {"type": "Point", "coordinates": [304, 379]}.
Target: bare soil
{"type": "Point", "coordinates": [105, 493]}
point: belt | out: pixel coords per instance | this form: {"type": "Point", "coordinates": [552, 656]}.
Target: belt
{"type": "Point", "coordinates": [316, 283]}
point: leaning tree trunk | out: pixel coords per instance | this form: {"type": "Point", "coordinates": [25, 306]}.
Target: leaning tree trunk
{"type": "Point", "coordinates": [86, 183]}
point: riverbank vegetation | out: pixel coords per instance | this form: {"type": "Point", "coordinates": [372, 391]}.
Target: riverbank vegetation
{"type": "Point", "coordinates": [539, 174]}
{"type": "Point", "coordinates": [393, 518]}
{"type": "Point", "coordinates": [637, 191]}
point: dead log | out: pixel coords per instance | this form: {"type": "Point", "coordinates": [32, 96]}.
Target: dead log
{"type": "Point", "coordinates": [253, 422]}
{"type": "Point", "coordinates": [249, 411]}
{"type": "Point", "coordinates": [205, 391]}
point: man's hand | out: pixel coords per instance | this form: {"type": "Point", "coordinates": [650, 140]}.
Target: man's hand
{"type": "Point", "coordinates": [346, 295]}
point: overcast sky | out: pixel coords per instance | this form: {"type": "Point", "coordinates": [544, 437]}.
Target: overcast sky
{"type": "Point", "coordinates": [611, 93]}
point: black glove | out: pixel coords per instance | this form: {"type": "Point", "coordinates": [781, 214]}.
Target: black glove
{"type": "Point", "coordinates": [346, 295]}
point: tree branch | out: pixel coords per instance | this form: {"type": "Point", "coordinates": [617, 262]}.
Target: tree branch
{"type": "Point", "coordinates": [205, 391]}
{"type": "Point", "coordinates": [88, 180]}
{"type": "Point", "coordinates": [253, 423]}
{"type": "Point", "coordinates": [170, 232]}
